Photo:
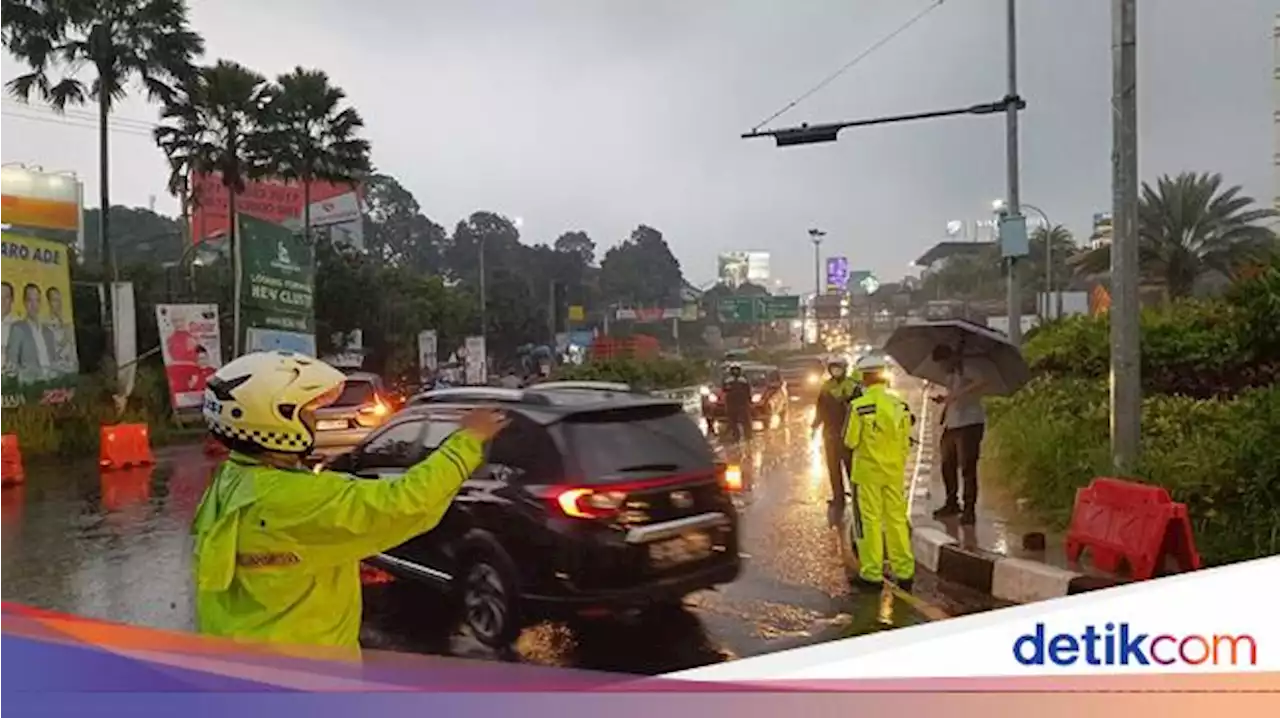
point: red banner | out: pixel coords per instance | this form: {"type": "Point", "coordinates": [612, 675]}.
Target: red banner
{"type": "Point", "coordinates": [276, 201]}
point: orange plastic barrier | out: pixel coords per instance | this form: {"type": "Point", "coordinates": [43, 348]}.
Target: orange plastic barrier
{"type": "Point", "coordinates": [1136, 524]}
{"type": "Point", "coordinates": [11, 471]}
{"type": "Point", "coordinates": [125, 445]}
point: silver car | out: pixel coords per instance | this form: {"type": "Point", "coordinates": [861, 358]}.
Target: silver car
{"type": "Point", "coordinates": [362, 407]}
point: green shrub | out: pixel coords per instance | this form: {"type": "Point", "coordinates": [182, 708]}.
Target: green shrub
{"type": "Point", "coordinates": [655, 373]}
{"type": "Point", "coordinates": [1218, 456]}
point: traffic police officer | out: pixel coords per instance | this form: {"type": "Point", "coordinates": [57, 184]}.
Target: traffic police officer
{"type": "Point", "coordinates": [830, 414]}
{"type": "Point", "coordinates": [879, 436]}
{"type": "Point", "coordinates": [278, 547]}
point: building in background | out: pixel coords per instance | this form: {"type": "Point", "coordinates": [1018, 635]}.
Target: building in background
{"type": "Point", "coordinates": [735, 268]}
{"type": "Point", "coordinates": [1101, 233]}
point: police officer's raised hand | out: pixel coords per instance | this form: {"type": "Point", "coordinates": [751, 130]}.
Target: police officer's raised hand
{"type": "Point", "coordinates": [484, 423]}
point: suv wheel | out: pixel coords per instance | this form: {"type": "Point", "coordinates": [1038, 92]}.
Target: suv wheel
{"type": "Point", "coordinates": [487, 599]}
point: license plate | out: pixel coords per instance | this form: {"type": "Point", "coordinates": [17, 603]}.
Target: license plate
{"type": "Point", "coordinates": [690, 547]}
{"type": "Point", "coordinates": [331, 425]}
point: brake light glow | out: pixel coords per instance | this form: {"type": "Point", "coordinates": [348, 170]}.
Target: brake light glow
{"type": "Point", "coordinates": [377, 408]}
{"type": "Point", "coordinates": [732, 477]}
{"type": "Point", "coordinates": [590, 504]}
{"type": "Point", "coordinates": [756, 398]}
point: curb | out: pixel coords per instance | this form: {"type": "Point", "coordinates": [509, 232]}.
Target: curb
{"type": "Point", "coordinates": [1006, 578]}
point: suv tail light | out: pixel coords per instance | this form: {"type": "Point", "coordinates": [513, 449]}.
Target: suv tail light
{"type": "Point", "coordinates": [373, 414]}
{"type": "Point", "coordinates": [730, 476]}
{"type": "Point", "coordinates": [606, 500]}
{"type": "Point", "coordinates": [589, 503]}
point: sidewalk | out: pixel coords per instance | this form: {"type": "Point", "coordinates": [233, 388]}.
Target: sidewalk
{"type": "Point", "coordinates": [1007, 554]}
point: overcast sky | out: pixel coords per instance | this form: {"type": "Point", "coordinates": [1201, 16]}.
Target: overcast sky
{"type": "Point", "coordinates": [603, 114]}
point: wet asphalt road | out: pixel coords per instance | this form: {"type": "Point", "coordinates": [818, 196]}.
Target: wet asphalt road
{"type": "Point", "coordinates": [116, 547]}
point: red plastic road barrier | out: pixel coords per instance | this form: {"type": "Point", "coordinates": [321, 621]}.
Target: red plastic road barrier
{"type": "Point", "coordinates": [124, 445]}
{"type": "Point", "coordinates": [1136, 524]}
{"type": "Point", "coordinates": [11, 461]}
{"type": "Point", "coordinates": [123, 488]}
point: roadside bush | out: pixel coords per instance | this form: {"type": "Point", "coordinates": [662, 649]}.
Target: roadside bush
{"type": "Point", "coordinates": [655, 373]}
{"type": "Point", "coordinates": [71, 429]}
{"type": "Point", "coordinates": [1218, 456]}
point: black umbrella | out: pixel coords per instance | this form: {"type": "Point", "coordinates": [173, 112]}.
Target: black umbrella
{"type": "Point", "coordinates": [986, 353]}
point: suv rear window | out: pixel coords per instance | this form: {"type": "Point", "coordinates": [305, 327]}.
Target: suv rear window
{"type": "Point", "coordinates": [636, 443]}
{"type": "Point", "coordinates": [355, 392]}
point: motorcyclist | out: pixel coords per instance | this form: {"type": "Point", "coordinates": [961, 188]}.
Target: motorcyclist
{"type": "Point", "coordinates": [879, 435]}
{"type": "Point", "coordinates": [278, 547]}
{"type": "Point", "coordinates": [736, 389]}
{"type": "Point", "coordinates": [830, 414]}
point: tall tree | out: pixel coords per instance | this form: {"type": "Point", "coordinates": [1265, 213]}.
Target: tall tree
{"type": "Point", "coordinates": [122, 40]}
{"type": "Point", "coordinates": [1189, 226]}
{"type": "Point", "coordinates": [577, 243]}
{"type": "Point", "coordinates": [218, 115]}
{"type": "Point", "coordinates": [396, 231]}
{"type": "Point", "coordinates": [641, 270]}
{"type": "Point", "coordinates": [311, 135]}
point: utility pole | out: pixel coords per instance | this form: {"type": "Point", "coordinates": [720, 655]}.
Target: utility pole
{"type": "Point", "coordinates": [1014, 220]}
{"type": "Point", "coordinates": [815, 236]}
{"type": "Point", "coordinates": [1126, 379]}
{"type": "Point", "coordinates": [484, 304]}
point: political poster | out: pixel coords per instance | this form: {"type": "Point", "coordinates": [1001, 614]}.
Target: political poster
{"type": "Point", "coordinates": [837, 274]}
{"type": "Point", "coordinates": [191, 345]}
{"type": "Point", "coordinates": [428, 350]}
{"type": "Point", "coordinates": [39, 342]}
{"type": "Point", "coordinates": [476, 361]}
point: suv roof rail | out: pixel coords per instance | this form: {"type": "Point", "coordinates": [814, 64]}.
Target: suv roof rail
{"type": "Point", "coordinates": [583, 386]}
{"type": "Point", "coordinates": [476, 393]}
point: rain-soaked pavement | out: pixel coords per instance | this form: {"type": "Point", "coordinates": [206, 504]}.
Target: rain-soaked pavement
{"type": "Point", "coordinates": [116, 547]}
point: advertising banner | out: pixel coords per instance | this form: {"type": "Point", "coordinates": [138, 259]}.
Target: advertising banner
{"type": "Point", "coordinates": [335, 208]}
{"type": "Point", "coordinates": [265, 340]}
{"type": "Point", "coordinates": [351, 354]}
{"type": "Point", "coordinates": [277, 280]}
{"type": "Point", "coordinates": [428, 350]}
{"type": "Point", "coordinates": [125, 321]}
{"type": "Point", "coordinates": [191, 344]}
{"type": "Point", "coordinates": [476, 360]}
{"type": "Point", "coordinates": [837, 274]}
{"type": "Point", "coordinates": [39, 343]}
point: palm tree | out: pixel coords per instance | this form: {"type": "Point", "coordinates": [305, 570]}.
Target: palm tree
{"type": "Point", "coordinates": [311, 136]}
{"type": "Point", "coordinates": [1050, 246]}
{"type": "Point", "coordinates": [122, 40]}
{"type": "Point", "coordinates": [1188, 226]}
{"type": "Point", "coordinates": [214, 126]}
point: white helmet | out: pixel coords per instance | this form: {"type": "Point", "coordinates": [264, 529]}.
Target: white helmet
{"type": "Point", "coordinates": [256, 401]}
{"type": "Point", "coordinates": [872, 362]}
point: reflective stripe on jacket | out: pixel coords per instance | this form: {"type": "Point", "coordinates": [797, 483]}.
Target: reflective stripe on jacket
{"type": "Point", "coordinates": [277, 551]}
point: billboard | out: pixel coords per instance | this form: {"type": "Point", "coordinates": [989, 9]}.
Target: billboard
{"type": "Point", "coordinates": [277, 283]}
{"type": "Point", "coordinates": [42, 200]}
{"type": "Point", "coordinates": [191, 344]}
{"type": "Point", "coordinates": [837, 274]}
{"type": "Point", "coordinates": [735, 268]}
{"type": "Point", "coordinates": [335, 208]}
{"type": "Point", "coordinates": [39, 342]}
{"type": "Point", "coordinates": [428, 351]}
{"type": "Point", "coordinates": [265, 340]}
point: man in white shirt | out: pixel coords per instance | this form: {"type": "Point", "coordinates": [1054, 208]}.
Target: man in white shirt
{"type": "Point", "coordinates": [963, 423]}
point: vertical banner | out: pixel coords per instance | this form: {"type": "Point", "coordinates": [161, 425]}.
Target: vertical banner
{"type": "Point", "coordinates": [191, 344]}
{"type": "Point", "coordinates": [277, 286]}
{"type": "Point", "coordinates": [837, 274]}
{"type": "Point", "coordinates": [124, 322]}
{"type": "Point", "coordinates": [428, 351]}
{"type": "Point", "coordinates": [477, 362]}
{"type": "Point", "coordinates": [39, 342]}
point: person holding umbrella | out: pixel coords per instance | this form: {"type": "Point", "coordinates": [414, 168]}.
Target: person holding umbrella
{"type": "Point", "coordinates": [972, 361]}
{"type": "Point", "coordinates": [963, 423]}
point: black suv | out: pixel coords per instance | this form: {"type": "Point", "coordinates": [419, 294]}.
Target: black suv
{"type": "Point", "coordinates": [590, 502]}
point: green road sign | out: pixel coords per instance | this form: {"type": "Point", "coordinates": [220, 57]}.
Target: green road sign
{"type": "Point", "coordinates": [745, 310]}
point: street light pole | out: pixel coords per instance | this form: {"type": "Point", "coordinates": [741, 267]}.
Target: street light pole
{"type": "Point", "coordinates": [1011, 152]}
{"type": "Point", "coordinates": [484, 308]}
{"type": "Point", "coordinates": [1126, 379]}
{"type": "Point", "coordinates": [815, 236]}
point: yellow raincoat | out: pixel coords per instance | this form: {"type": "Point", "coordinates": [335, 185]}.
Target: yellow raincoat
{"type": "Point", "coordinates": [277, 551]}
{"type": "Point", "coordinates": [879, 434]}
